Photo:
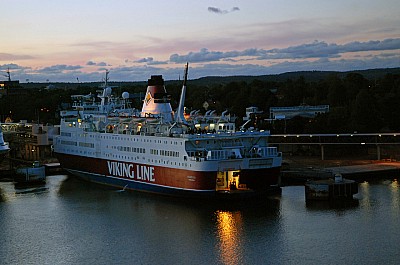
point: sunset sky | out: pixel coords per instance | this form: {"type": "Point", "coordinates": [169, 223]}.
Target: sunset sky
{"type": "Point", "coordinates": [70, 40]}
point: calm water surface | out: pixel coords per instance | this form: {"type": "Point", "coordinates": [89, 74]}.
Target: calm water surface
{"type": "Point", "coordinates": [73, 222]}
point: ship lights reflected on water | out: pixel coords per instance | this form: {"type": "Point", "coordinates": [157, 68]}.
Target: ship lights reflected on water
{"type": "Point", "coordinates": [395, 184]}
{"type": "Point", "coordinates": [364, 191]}
{"type": "Point", "coordinates": [394, 189]}
{"type": "Point", "coordinates": [229, 227]}
{"type": "Point", "coordinates": [365, 187]}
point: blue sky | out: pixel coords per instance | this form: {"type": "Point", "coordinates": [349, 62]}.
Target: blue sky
{"type": "Point", "coordinates": [60, 40]}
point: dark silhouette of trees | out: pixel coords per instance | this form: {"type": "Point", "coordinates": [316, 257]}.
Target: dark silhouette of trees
{"type": "Point", "coordinates": [356, 102]}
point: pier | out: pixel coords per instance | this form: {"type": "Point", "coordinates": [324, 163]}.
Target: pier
{"type": "Point", "coordinates": [298, 170]}
{"type": "Point", "coordinates": [379, 145]}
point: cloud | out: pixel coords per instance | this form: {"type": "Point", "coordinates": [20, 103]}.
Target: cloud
{"type": "Point", "coordinates": [148, 61]}
{"type": "Point", "coordinates": [14, 57]}
{"type": "Point", "coordinates": [326, 64]}
{"type": "Point", "coordinates": [315, 55]}
{"type": "Point", "coordinates": [95, 44]}
{"type": "Point", "coordinates": [316, 49]}
{"type": "Point", "coordinates": [145, 60]}
{"type": "Point", "coordinates": [204, 55]}
{"type": "Point", "coordinates": [222, 12]}
{"type": "Point", "coordinates": [60, 68]}
{"type": "Point", "coordinates": [91, 63]}
{"type": "Point", "coordinates": [387, 44]}
{"type": "Point", "coordinates": [65, 73]}
{"type": "Point", "coordinates": [320, 49]}
{"type": "Point", "coordinates": [12, 66]}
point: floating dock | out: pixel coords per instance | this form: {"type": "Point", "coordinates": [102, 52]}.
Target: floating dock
{"type": "Point", "coordinates": [331, 189]}
{"type": "Point", "coordinates": [7, 171]}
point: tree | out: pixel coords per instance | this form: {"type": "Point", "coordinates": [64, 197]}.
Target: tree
{"type": "Point", "coordinates": [337, 91]}
{"type": "Point", "coordinates": [364, 114]}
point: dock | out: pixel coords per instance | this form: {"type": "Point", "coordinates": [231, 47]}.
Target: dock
{"type": "Point", "coordinates": [300, 170]}
{"type": "Point", "coordinates": [331, 189]}
{"type": "Point", "coordinates": [378, 145]}
{"type": "Point", "coordinates": [7, 171]}
{"type": "Point", "coordinates": [370, 170]}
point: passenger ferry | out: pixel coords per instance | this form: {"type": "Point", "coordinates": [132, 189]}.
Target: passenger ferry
{"type": "Point", "coordinates": [158, 150]}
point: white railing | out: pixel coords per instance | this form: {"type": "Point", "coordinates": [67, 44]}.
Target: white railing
{"type": "Point", "coordinates": [267, 151]}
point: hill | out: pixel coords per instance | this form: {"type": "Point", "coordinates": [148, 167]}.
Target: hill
{"type": "Point", "coordinates": [309, 76]}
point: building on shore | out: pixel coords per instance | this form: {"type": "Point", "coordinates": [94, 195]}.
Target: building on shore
{"type": "Point", "coordinates": [11, 87]}
{"type": "Point", "coordinates": [29, 141]}
{"type": "Point", "coordinates": [306, 111]}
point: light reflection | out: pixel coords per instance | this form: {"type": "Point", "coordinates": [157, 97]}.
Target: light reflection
{"type": "Point", "coordinates": [364, 191]}
{"type": "Point", "coordinates": [2, 199]}
{"type": "Point", "coordinates": [229, 227]}
{"type": "Point", "coordinates": [394, 188]}
{"type": "Point", "coordinates": [395, 184]}
{"type": "Point", "coordinates": [365, 186]}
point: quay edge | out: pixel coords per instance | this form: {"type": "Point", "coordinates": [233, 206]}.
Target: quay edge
{"type": "Point", "coordinates": [300, 170]}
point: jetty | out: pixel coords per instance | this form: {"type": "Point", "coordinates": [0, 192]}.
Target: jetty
{"type": "Point", "coordinates": [8, 168]}
{"type": "Point", "coordinates": [302, 169]}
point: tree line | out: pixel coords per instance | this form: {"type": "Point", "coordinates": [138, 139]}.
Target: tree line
{"type": "Point", "coordinates": [357, 104]}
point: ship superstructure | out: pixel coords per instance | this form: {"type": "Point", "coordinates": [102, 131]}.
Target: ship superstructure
{"type": "Point", "coordinates": [155, 149]}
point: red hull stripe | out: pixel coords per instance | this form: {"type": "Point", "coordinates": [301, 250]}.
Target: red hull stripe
{"type": "Point", "coordinates": [119, 173]}
{"type": "Point", "coordinates": [134, 181]}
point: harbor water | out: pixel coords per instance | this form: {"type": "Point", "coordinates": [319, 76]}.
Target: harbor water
{"type": "Point", "coordinates": [69, 221]}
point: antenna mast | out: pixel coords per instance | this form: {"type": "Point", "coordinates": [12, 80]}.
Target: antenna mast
{"type": "Point", "coordinates": [180, 117]}
{"type": "Point", "coordinates": [186, 74]}
{"type": "Point", "coordinates": [8, 74]}
{"type": "Point", "coordinates": [106, 79]}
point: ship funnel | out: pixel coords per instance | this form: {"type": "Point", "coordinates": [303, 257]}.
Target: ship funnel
{"type": "Point", "coordinates": [180, 117]}
{"type": "Point", "coordinates": [156, 102]}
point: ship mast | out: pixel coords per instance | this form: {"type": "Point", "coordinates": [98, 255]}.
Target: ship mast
{"type": "Point", "coordinates": [180, 118]}
{"type": "Point", "coordinates": [106, 79]}
{"type": "Point", "coordinates": [8, 74]}
{"type": "Point", "coordinates": [105, 93]}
